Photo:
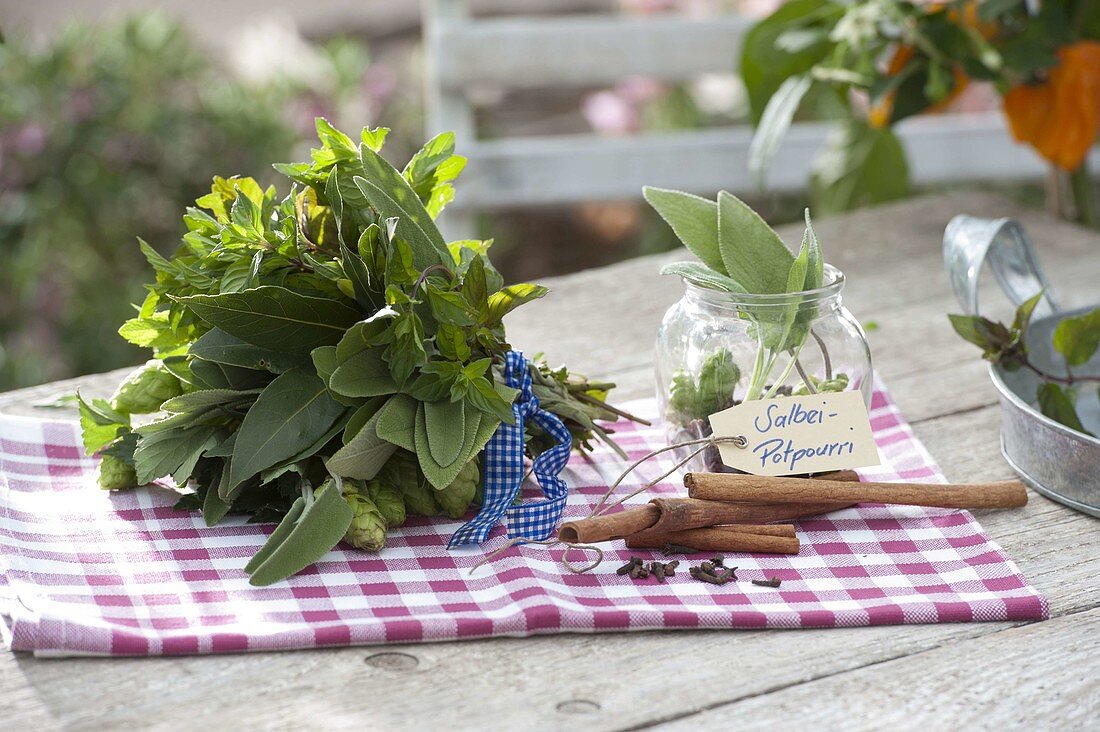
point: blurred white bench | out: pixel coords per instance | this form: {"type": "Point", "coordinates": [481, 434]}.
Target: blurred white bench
{"type": "Point", "coordinates": [533, 52]}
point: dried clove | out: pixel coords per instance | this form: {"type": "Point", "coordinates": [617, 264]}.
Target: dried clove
{"type": "Point", "coordinates": [658, 571]}
{"type": "Point", "coordinates": [707, 567]}
{"type": "Point", "coordinates": [699, 574]}
{"type": "Point", "coordinates": [629, 566]}
{"type": "Point", "coordinates": [639, 572]}
{"type": "Point", "coordinates": [773, 582]}
{"type": "Point", "coordinates": [670, 567]}
{"type": "Point", "coordinates": [679, 549]}
{"type": "Point", "coordinates": [718, 560]}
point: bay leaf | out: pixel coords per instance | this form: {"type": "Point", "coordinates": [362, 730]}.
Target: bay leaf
{"type": "Point", "coordinates": [275, 317]}
{"type": "Point", "coordinates": [221, 347]}
{"type": "Point", "coordinates": [289, 415]}
{"type": "Point", "coordinates": [366, 374]}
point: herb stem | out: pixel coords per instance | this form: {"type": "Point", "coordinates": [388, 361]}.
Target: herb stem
{"type": "Point", "coordinates": [824, 355]}
{"type": "Point", "coordinates": [1068, 380]}
{"type": "Point", "coordinates": [786, 373]}
{"type": "Point", "coordinates": [805, 377]}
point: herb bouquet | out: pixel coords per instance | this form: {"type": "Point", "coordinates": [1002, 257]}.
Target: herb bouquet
{"type": "Point", "coordinates": [325, 359]}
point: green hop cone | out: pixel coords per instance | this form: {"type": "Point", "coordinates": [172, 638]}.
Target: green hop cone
{"type": "Point", "coordinates": [402, 472]}
{"type": "Point", "coordinates": [145, 389]}
{"type": "Point", "coordinates": [115, 474]}
{"type": "Point", "coordinates": [455, 499]}
{"type": "Point", "coordinates": [368, 527]}
{"type": "Point", "coordinates": [389, 501]}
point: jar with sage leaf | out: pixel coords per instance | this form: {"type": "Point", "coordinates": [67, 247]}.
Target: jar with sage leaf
{"type": "Point", "coordinates": [756, 321]}
{"type": "Point", "coordinates": [717, 349]}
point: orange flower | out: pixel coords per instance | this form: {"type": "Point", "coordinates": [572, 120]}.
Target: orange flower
{"type": "Point", "coordinates": [1060, 117]}
{"type": "Point", "coordinates": [881, 112]}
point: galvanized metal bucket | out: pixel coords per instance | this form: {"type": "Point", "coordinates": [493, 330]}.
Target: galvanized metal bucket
{"type": "Point", "coordinates": [1058, 462]}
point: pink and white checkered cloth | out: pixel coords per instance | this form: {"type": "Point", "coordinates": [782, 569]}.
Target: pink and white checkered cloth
{"type": "Point", "coordinates": [86, 572]}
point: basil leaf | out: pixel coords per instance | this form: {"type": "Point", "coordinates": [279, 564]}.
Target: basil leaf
{"type": "Point", "coordinates": [218, 346]}
{"type": "Point", "coordinates": [275, 317]}
{"type": "Point", "coordinates": [753, 253]}
{"type": "Point", "coordinates": [511, 297]}
{"type": "Point", "coordinates": [694, 220]}
{"type": "Point", "coordinates": [1077, 338]}
{"type": "Point", "coordinates": [1055, 402]}
{"type": "Point", "coordinates": [99, 423]}
{"type": "Point", "coordinates": [290, 414]}
{"type": "Point", "coordinates": [702, 275]}
{"type": "Point", "coordinates": [319, 528]}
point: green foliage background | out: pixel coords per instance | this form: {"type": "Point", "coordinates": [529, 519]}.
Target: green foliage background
{"type": "Point", "coordinates": [106, 134]}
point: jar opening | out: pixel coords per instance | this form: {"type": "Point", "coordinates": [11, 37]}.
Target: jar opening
{"type": "Point", "coordinates": [833, 279]}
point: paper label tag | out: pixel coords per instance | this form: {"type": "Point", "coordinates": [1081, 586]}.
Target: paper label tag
{"type": "Point", "coordinates": [800, 434]}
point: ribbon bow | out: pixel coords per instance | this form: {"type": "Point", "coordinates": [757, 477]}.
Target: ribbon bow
{"type": "Point", "coordinates": [503, 471]}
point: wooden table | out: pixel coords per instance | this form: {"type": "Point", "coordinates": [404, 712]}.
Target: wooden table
{"type": "Point", "coordinates": [971, 675]}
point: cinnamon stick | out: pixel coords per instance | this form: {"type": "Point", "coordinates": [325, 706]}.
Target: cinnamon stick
{"type": "Point", "coordinates": [717, 539]}
{"type": "Point", "coordinates": [609, 526]}
{"type": "Point", "coordinates": [677, 514]}
{"type": "Point", "coordinates": [761, 489]}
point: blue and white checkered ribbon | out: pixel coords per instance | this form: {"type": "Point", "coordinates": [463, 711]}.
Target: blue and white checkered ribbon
{"type": "Point", "coordinates": [502, 469]}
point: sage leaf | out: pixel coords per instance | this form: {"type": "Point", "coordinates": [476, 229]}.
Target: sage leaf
{"type": "Point", "coordinates": [364, 375]}
{"type": "Point", "coordinates": [277, 537]}
{"type": "Point", "coordinates": [275, 317]}
{"type": "Point", "coordinates": [319, 528]}
{"type": "Point", "coordinates": [753, 253]}
{"type": "Point", "coordinates": [218, 346]}
{"type": "Point", "coordinates": [694, 220]}
{"type": "Point", "coordinates": [702, 275]}
{"type": "Point", "coordinates": [214, 508]}
{"type": "Point", "coordinates": [815, 272]}
{"type": "Point", "coordinates": [1078, 337]}
{"type": "Point", "coordinates": [362, 415]}
{"type": "Point", "coordinates": [293, 462]}
{"type": "Point", "coordinates": [446, 427]}
{"type": "Point", "coordinates": [203, 399]}
{"type": "Point", "coordinates": [363, 456]}
{"type": "Point", "coordinates": [397, 422]}
{"type": "Point", "coordinates": [290, 414]}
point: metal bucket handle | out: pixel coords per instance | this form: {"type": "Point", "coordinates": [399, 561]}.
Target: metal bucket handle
{"type": "Point", "coordinates": [969, 241]}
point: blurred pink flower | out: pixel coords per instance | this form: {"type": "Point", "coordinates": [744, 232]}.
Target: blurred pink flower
{"type": "Point", "coordinates": [639, 89]}
{"type": "Point", "coordinates": [758, 8]}
{"type": "Point", "coordinates": [610, 113]}
{"type": "Point", "coordinates": [29, 139]}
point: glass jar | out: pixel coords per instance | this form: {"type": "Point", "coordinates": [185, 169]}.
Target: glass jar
{"type": "Point", "coordinates": [716, 349]}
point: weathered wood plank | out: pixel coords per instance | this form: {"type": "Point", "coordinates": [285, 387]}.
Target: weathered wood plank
{"type": "Point", "coordinates": [1042, 675]}
{"type": "Point", "coordinates": [575, 168]}
{"type": "Point", "coordinates": [585, 50]}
